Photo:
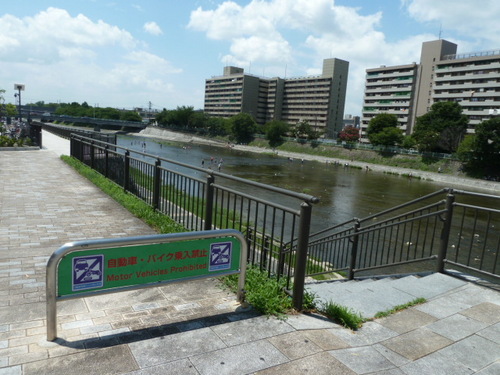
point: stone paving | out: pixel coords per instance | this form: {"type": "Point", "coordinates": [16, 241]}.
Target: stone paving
{"type": "Point", "coordinates": [195, 327]}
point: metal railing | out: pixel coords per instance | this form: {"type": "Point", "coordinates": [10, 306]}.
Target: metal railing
{"type": "Point", "coordinates": [66, 131]}
{"type": "Point", "coordinates": [436, 232]}
{"type": "Point", "coordinates": [273, 220]}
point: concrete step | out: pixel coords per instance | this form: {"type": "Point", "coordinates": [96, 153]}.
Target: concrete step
{"type": "Point", "coordinates": [371, 296]}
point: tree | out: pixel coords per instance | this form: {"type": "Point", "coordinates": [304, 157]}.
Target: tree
{"type": "Point", "coordinates": [218, 126]}
{"type": "Point", "coordinates": [275, 131]}
{"type": "Point", "coordinates": [483, 149]}
{"type": "Point", "coordinates": [10, 110]}
{"type": "Point", "coordinates": [130, 116]}
{"type": "Point", "coordinates": [303, 130]}
{"type": "Point", "coordinates": [383, 130]}
{"type": "Point", "coordinates": [243, 127]}
{"type": "Point", "coordinates": [349, 134]}
{"type": "Point", "coordinates": [442, 128]}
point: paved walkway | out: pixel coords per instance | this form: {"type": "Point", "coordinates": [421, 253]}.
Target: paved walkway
{"type": "Point", "coordinates": [194, 328]}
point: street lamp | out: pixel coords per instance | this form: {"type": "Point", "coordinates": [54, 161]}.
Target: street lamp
{"type": "Point", "coordinates": [19, 88]}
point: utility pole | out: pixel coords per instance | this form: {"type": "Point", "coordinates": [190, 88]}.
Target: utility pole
{"type": "Point", "coordinates": [149, 113]}
{"type": "Point", "coordinates": [19, 88]}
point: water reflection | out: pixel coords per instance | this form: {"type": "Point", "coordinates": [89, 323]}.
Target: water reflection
{"type": "Point", "coordinates": [344, 192]}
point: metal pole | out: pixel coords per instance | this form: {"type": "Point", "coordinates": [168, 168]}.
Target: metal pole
{"type": "Point", "coordinates": [126, 170]}
{"type": "Point", "coordinates": [301, 256]}
{"type": "Point", "coordinates": [209, 202]}
{"type": "Point", "coordinates": [354, 249]}
{"type": "Point", "coordinates": [445, 233]}
{"type": "Point", "coordinates": [156, 184]}
{"type": "Point", "coordinates": [106, 162]}
{"type": "Point", "coordinates": [51, 301]}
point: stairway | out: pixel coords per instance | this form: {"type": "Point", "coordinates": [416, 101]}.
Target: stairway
{"type": "Point", "coordinates": [370, 296]}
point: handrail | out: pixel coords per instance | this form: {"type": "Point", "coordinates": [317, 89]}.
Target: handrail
{"type": "Point", "coordinates": [303, 197]}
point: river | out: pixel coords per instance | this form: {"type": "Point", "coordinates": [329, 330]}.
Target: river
{"type": "Point", "coordinates": [344, 192]}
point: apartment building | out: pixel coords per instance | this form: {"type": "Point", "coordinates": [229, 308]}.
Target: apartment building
{"type": "Point", "coordinates": [408, 91]}
{"type": "Point", "coordinates": [319, 100]}
{"type": "Point", "coordinates": [390, 90]}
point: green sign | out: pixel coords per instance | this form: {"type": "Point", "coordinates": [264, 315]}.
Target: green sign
{"type": "Point", "coordinates": [84, 271]}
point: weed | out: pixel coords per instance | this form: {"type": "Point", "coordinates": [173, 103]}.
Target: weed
{"type": "Point", "coordinates": [265, 293]}
{"type": "Point", "coordinates": [342, 315]}
{"type": "Point", "coordinates": [397, 308]}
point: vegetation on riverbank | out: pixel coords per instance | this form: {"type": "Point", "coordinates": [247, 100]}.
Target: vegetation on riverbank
{"type": "Point", "coordinates": [416, 162]}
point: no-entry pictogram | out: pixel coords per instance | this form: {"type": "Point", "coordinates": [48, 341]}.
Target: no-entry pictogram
{"type": "Point", "coordinates": [220, 256]}
{"type": "Point", "coordinates": [88, 272]}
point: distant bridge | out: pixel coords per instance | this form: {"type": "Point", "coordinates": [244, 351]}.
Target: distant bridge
{"type": "Point", "coordinates": [99, 122]}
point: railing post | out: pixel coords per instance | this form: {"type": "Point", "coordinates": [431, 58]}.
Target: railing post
{"type": "Point", "coordinates": [71, 146]}
{"type": "Point", "coordinates": [106, 161]}
{"type": "Point", "coordinates": [301, 256]}
{"type": "Point", "coordinates": [354, 249]}
{"type": "Point", "coordinates": [209, 202]}
{"type": "Point", "coordinates": [156, 184]}
{"type": "Point", "coordinates": [126, 171]}
{"type": "Point", "coordinates": [92, 150]}
{"type": "Point", "coordinates": [445, 233]}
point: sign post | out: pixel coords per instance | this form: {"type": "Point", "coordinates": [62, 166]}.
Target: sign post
{"type": "Point", "coordinates": [87, 268]}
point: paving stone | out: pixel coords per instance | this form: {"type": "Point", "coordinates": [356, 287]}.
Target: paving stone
{"type": "Point", "coordinates": [325, 339]}
{"type": "Point", "coordinates": [177, 346]}
{"type": "Point", "coordinates": [14, 370]}
{"type": "Point", "coordinates": [456, 327]}
{"type": "Point", "coordinates": [317, 364]}
{"type": "Point", "coordinates": [406, 320]}
{"type": "Point", "coordinates": [253, 329]}
{"type": "Point", "coordinates": [114, 360]}
{"type": "Point", "coordinates": [363, 359]}
{"type": "Point", "coordinates": [443, 307]}
{"type": "Point", "coordinates": [486, 312]}
{"type": "Point", "coordinates": [417, 343]}
{"type": "Point", "coordinates": [240, 359]}
{"type": "Point", "coordinates": [393, 357]}
{"type": "Point", "coordinates": [472, 294]}
{"type": "Point", "coordinates": [371, 333]}
{"type": "Point", "coordinates": [492, 333]}
{"type": "Point", "coordinates": [180, 367]}
{"type": "Point", "coordinates": [310, 321]}
{"type": "Point", "coordinates": [435, 364]}
{"type": "Point", "coordinates": [493, 369]}
{"type": "Point", "coordinates": [123, 299]}
{"type": "Point", "coordinates": [295, 345]}
{"type": "Point", "coordinates": [466, 352]}
{"type": "Point", "coordinates": [10, 315]}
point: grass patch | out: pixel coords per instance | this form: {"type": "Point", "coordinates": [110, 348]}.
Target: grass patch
{"type": "Point", "coordinates": [342, 315]}
{"type": "Point", "coordinates": [395, 309]}
{"type": "Point", "coordinates": [265, 293]}
{"type": "Point", "coordinates": [417, 162]}
{"type": "Point", "coordinates": [156, 220]}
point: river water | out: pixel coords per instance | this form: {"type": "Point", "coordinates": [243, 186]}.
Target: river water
{"type": "Point", "coordinates": [344, 192]}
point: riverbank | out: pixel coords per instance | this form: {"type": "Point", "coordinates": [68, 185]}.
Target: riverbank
{"type": "Point", "coordinates": [461, 182]}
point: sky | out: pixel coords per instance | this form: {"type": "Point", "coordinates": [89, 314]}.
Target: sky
{"type": "Point", "coordinates": [133, 53]}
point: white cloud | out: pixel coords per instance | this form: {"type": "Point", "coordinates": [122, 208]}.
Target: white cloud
{"type": "Point", "coordinates": [258, 35]}
{"type": "Point", "coordinates": [49, 35]}
{"type": "Point", "coordinates": [470, 19]}
{"type": "Point", "coordinates": [77, 59]}
{"type": "Point", "coordinates": [152, 28]}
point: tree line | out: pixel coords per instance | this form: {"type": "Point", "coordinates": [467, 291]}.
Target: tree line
{"type": "Point", "coordinates": [240, 128]}
{"type": "Point", "coordinates": [444, 129]}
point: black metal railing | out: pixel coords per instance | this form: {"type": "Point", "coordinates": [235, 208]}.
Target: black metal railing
{"type": "Point", "coordinates": [435, 232]}
{"type": "Point", "coordinates": [273, 220]}
{"type": "Point", "coordinates": [66, 131]}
